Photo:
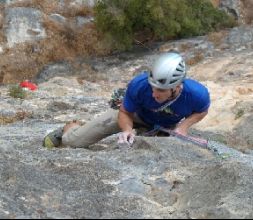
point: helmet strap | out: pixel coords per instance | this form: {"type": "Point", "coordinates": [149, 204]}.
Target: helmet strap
{"type": "Point", "coordinates": [175, 93]}
{"type": "Point", "coordinates": [174, 96]}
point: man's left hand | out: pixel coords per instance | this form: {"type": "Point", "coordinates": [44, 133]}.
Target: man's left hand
{"type": "Point", "coordinates": [181, 131]}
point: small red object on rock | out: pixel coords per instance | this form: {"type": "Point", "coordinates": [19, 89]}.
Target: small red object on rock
{"type": "Point", "coordinates": [28, 85]}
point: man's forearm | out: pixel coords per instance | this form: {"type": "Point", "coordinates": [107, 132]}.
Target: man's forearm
{"type": "Point", "coordinates": [188, 122]}
{"type": "Point", "coordinates": [125, 120]}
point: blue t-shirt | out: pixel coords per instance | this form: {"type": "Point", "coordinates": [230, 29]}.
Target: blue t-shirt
{"type": "Point", "coordinates": [194, 98]}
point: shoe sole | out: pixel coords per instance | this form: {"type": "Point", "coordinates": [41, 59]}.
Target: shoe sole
{"type": "Point", "coordinates": [48, 143]}
{"type": "Point", "coordinates": [53, 139]}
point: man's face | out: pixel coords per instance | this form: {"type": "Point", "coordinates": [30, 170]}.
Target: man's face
{"type": "Point", "coordinates": [162, 95]}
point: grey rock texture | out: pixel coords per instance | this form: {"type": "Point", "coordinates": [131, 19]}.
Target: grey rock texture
{"type": "Point", "coordinates": [156, 178]}
{"type": "Point", "coordinates": [58, 18]}
{"type": "Point", "coordinates": [23, 24]}
{"type": "Point", "coordinates": [89, 3]}
{"type": "Point", "coordinates": [240, 38]}
{"type": "Point", "coordinates": [243, 131]}
{"type": "Point", "coordinates": [53, 70]}
{"type": "Point", "coordinates": [232, 7]}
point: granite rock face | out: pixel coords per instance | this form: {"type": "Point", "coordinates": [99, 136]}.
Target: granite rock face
{"type": "Point", "coordinates": [159, 177]}
{"type": "Point", "coordinates": [23, 24]}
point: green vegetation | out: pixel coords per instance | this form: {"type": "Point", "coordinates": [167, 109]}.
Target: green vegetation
{"type": "Point", "coordinates": [239, 114]}
{"type": "Point", "coordinates": [16, 91]}
{"type": "Point", "coordinates": [123, 22]}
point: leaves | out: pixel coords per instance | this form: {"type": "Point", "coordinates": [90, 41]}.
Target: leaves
{"type": "Point", "coordinates": [121, 20]}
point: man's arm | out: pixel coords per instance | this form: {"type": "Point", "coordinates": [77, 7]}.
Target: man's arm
{"type": "Point", "coordinates": [184, 126]}
{"type": "Point", "coordinates": [125, 119]}
{"type": "Point", "coordinates": [125, 122]}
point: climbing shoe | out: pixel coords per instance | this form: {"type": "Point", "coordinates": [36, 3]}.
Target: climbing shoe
{"type": "Point", "coordinates": [53, 139]}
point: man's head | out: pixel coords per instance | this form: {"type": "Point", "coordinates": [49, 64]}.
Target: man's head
{"type": "Point", "coordinates": [166, 76]}
{"type": "Point", "coordinates": [168, 71]}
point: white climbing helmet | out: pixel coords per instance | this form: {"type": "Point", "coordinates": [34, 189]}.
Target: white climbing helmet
{"type": "Point", "coordinates": [169, 70]}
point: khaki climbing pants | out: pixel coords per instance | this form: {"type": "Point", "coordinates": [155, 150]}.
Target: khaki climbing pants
{"type": "Point", "coordinates": [95, 130]}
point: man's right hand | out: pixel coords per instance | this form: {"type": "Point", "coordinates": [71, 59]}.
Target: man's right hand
{"type": "Point", "coordinates": [126, 137]}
